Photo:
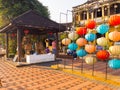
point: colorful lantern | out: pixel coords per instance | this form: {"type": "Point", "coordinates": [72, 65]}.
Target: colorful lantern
{"type": "Point", "coordinates": [114, 36]}
{"type": "Point", "coordinates": [114, 50]}
{"type": "Point", "coordinates": [102, 29]}
{"type": "Point", "coordinates": [90, 37]}
{"type": "Point", "coordinates": [114, 64]}
{"type": "Point", "coordinates": [90, 48]}
{"type": "Point", "coordinates": [54, 45]}
{"type": "Point", "coordinates": [81, 31]}
{"type": "Point", "coordinates": [90, 60]}
{"type": "Point", "coordinates": [66, 41]}
{"type": "Point", "coordinates": [114, 20]}
{"type": "Point", "coordinates": [73, 35]}
{"type": "Point", "coordinates": [91, 24]}
{"type": "Point", "coordinates": [73, 46]}
{"type": "Point", "coordinates": [102, 41]}
{"type": "Point", "coordinates": [26, 31]}
{"type": "Point", "coordinates": [103, 55]}
{"type": "Point", "coordinates": [13, 35]}
{"type": "Point", "coordinates": [81, 42]}
{"type": "Point", "coordinates": [81, 53]}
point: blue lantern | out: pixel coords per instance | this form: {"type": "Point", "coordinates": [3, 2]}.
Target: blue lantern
{"type": "Point", "coordinates": [73, 46]}
{"type": "Point", "coordinates": [103, 28]}
{"type": "Point", "coordinates": [81, 53]}
{"type": "Point", "coordinates": [90, 37]}
{"type": "Point", "coordinates": [114, 64]}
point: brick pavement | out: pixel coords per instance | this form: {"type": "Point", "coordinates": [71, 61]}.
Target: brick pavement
{"type": "Point", "coordinates": [36, 77]}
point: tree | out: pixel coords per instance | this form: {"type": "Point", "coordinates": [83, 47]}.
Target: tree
{"type": "Point", "coordinates": [12, 8]}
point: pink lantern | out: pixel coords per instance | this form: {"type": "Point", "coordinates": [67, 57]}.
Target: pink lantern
{"type": "Point", "coordinates": [90, 48]}
{"type": "Point", "coordinates": [114, 36]}
{"type": "Point", "coordinates": [81, 42]}
{"type": "Point", "coordinates": [54, 45]}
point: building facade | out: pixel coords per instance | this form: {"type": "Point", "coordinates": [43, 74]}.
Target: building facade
{"type": "Point", "coordinates": [99, 10]}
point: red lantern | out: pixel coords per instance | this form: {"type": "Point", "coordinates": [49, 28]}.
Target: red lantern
{"type": "Point", "coordinates": [103, 55]}
{"type": "Point", "coordinates": [13, 35]}
{"type": "Point", "coordinates": [91, 24]}
{"type": "Point", "coordinates": [26, 31]}
{"type": "Point", "coordinates": [81, 30]}
{"type": "Point", "coordinates": [114, 20]}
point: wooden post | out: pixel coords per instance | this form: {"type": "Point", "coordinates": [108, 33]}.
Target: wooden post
{"type": "Point", "coordinates": [19, 47]}
{"type": "Point", "coordinates": [57, 44]}
{"type": "Point", "coordinates": [7, 44]}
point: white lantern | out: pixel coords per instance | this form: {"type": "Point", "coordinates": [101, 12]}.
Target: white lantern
{"type": "Point", "coordinates": [90, 60]}
{"type": "Point", "coordinates": [73, 35]}
{"type": "Point", "coordinates": [102, 41]}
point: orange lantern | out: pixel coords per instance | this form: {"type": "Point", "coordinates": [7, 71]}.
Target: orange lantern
{"type": "Point", "coordinates": [66, 41]}
{"type": "Point", "coordinates": [114, 36]}
{"type": "Point", "coordinates": [81, 30]}
{"type": "Point", "coordinates": [81, 42]}
{"type": "Point", "coordinates": [90, 24]}
{"type": "Point", "coordinates": [114, 50]}
{"type": "Point", "coordinates": [90, 48]}
{"type": "Point", "coordinates": [103, 55]}
{"type": "Point", "coordinates": [114, 20]}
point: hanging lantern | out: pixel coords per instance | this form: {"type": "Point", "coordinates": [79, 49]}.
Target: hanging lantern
{"type": "Point", "coordinates": [102, 29]}
{"type": "Point", "coordinates": [13, 35]}
{"type": "Point", "coordinates": [81, 53]}
{"type": "Point", "coordinates": [66, 41]}
{"type": "Point", "coordinates": [90, 60]}
{"type": "Point", "coordinates": [91, 24]}
{"type": "Point", "coordinates": [114, 20]}
{"type": "Point", "coordinates": [114, 50]}
{"type": "Point", "coordinates": [81, 31]}
{"type": "Point", "coordinates": [73, 35]}
{"type": "Point", "coordinates": [26, 31]}
{"type": "Point", "coordinates": [54, 45]}
{"type": "Point", "coordinates": [103, 55]}
{"type": "Point", "coordinates": [90, 48]}
{"type": "Point", "coordinates": [90, 37]}
{"type": "Point", "coordinates": [114, 64]}
{"type": "Point", "coordinates": [102, 41]}
{"type": "Point", "coordinates": [73, 46]}
{"type": "Point", "coordinates": [81, 42]}
{"type": "Point", "coordinates": [114, 36]}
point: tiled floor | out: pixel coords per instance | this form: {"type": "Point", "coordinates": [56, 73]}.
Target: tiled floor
{"type": "Point", "coordinates": [43, 78]}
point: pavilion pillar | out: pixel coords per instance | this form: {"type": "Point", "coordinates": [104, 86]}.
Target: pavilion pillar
{"type": "Point", "coordinates": [19, 47]}
{"type": "Point", "coordinates": [7, 44]}
{"type": "Point", "coordinates": [57, 44]}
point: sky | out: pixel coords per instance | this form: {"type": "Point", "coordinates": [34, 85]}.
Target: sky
{"type": "Point", "coordinates": [61, 6]}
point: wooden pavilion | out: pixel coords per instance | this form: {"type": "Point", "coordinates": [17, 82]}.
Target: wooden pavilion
{"type": "Point", "coordinates": [36, 23]}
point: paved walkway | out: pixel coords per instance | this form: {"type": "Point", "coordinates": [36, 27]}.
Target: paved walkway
{"type": "Point", "coordinates": [43, 78]}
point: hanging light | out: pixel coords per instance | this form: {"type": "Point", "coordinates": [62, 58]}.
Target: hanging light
{"type": "Point", "coordinates": [26, 31]}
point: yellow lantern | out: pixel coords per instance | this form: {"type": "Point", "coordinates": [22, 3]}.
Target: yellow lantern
{"type": "Point", "coordinates": [114, 36]}
{"type": "Point", "coordinates": [114, 50]}
{"type": "Point", "coordinates": [66, 41]}
{"type": "Point", "coordinates": [81, 41]}
{"type": "Point", "coordinates": [73, 35]}
{"type": "Point", "coordinates": [90, 48]}
{"type": "Point", "coordinates": [102, 41]}
{"type": "Point", "coordinates": [90, 60]}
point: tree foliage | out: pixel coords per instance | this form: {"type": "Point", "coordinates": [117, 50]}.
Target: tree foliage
{"type": "Point", "coordinates": [12, 8]}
